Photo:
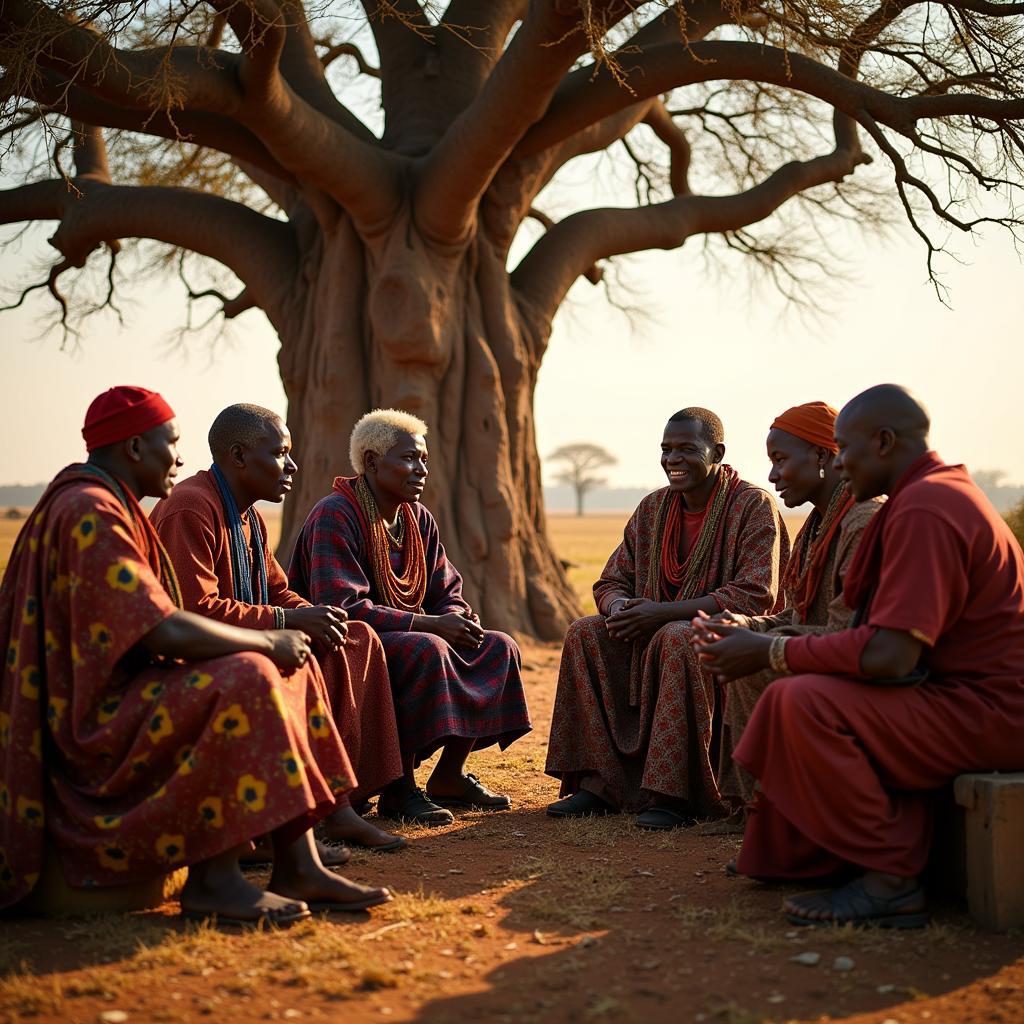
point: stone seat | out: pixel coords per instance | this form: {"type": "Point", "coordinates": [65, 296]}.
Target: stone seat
{"type": "Point", "coordinates": [993, 832]}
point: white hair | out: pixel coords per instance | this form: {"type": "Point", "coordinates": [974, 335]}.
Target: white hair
{"type": "Point", "coordinates": [378, 432]}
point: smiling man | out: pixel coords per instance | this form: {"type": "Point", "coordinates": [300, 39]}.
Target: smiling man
{"type": "Point", "coordinates": [217, 540]}
{"type": "Point", "coordinates": [850, 746]}
{"type": "Point", "coordinates": [372, 548]}
{"type": "Point", "coordinates": [635, 718]}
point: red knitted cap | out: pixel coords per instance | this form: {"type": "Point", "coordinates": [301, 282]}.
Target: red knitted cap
{"type": "Point", "coordinates": [123, 412]}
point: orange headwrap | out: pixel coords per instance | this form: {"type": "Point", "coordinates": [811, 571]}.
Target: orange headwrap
{"type": "Point", "coordinates": [813, 422]}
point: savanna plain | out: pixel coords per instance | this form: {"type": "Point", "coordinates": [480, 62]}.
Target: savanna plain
{"type": "Point", "coordinates": [515, 917]}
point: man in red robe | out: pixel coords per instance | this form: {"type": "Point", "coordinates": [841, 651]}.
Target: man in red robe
{"type": "Point", "coordinates": [636, 718]}
{"type": "Point", "coordinates": [135, 737]}
{"type": "Point", "coordinates": [850, 747]}
{"type": "Point", "coordinates": [217, 542]}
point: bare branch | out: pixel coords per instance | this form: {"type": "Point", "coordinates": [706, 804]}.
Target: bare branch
{"type": "Point", "coordinates": [336, 50]}
{"type": "Point", "coordinates": [257, 249]}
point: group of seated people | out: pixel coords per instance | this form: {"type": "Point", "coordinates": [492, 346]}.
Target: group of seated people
{"type": "Point", "coordinates": [171, 697]}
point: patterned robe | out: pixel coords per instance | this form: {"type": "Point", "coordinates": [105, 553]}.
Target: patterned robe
{"type": "Point", "coordinates": [826, 614]}
{"type": "Point", "coordinates": [636, 719]}
{"type": "Point", "coordinates": [440, 691]}
{"type": "Point", "coordinates": [192, 525]}
{"type": "Point", "coordinates": [130, 768]}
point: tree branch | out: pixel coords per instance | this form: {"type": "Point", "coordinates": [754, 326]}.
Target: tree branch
{"type": "Point", "coordinates": [259, 250]}
{"type": "Point", "coordinates": [663, 68]}
{"type": "Point", "coordinates": [462, 165]}
{"type": "Point", "coordinates": [336, 50]}
{"type": "Point", "coordinates": [549, 269]}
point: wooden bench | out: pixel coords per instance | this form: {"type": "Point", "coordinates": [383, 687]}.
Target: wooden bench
{"type": "Point", "coordinates": [993, 846]}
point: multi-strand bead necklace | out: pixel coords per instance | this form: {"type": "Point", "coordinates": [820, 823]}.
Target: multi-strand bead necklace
{"type": "Point", "coordinates": [406, 589]}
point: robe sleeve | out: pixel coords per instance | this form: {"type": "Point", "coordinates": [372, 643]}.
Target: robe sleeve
{"type": "Point", "coordinates": [444, 581]}
{"type": "Point", "coordinates": [762, 551]}
{"type": "Point", "coordinates": [618, 579]}
{"type": "Point", "coordinates": [334, 563]}
{"type": "Point", "coordinates": [191, 542]}
{"type": "Point", "coordinates": [922, 587]}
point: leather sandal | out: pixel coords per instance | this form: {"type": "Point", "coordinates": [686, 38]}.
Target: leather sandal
{"type": "Point", "coordinates": [475, 796]}
{"type": "Point", "coordinates": [853, 904]}
{"type": "Point", "coordinates": [414, 808]}
{"type": "Point", "coordinates": [583, 804]}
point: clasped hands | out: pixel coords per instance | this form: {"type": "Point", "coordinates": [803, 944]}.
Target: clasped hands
{"type": "Point", "coordinates": [728, 647]}
{"type": "Point", "coordinates": [633, 618]}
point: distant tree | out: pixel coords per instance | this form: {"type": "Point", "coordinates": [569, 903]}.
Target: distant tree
{"type": "Point", "coordinates": [993, 482]}
{"type": "Point", "coordinates": [14, 513]}
{"type": "Point", "coordinates": [581, 461]}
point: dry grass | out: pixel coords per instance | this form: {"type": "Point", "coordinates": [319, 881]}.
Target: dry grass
{"type": "Point", "coordinates": [9, 529]}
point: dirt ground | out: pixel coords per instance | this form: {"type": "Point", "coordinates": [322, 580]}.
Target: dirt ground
{"type": "Point", "coordinates": [516, 917]}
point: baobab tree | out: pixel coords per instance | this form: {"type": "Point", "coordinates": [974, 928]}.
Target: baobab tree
{"type": "Point", "coordinates": [378, 246]}
{"type": "Point", "coordinates": [582, 460]}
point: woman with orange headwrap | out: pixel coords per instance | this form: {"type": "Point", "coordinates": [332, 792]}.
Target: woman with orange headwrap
{"type": "Point", "coordinates": [801, 448]}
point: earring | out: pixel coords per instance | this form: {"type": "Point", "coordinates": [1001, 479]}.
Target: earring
{"type": "Point", "coordinates": [821, 472]}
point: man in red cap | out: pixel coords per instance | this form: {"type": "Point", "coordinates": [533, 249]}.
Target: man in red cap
{"type": "Point", "coordinates": [849, 748]}
{"type": "Point", "coordinates": [801, 448]}
{"type": "Point", "coordinates": [136, 738]}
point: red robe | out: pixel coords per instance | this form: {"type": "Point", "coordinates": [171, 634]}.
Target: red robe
{"type": "Point", "coordinates": [127, 766]}
{"type": "Point", "coordinates": [193, 528]}
{"type": "Point", "coordinates": [847, 768]}
{"type": "Point", "coordinates": [635, 719]}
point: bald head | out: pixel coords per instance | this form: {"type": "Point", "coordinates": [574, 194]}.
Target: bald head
{"type": "Point", "coordinates": [880, 433]}
{"type": "Point", "coordinates": [244, 424]}
{"type": "Point", "coordinates": [888, 405]}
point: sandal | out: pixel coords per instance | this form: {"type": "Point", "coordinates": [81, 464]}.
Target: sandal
{"type": "Point", "coordinates": [580, 805]}
{"type": "Point", "coordinates": [661, 819]}
{"type": "Point", "coordinates": [853, 904]}
{"type": "Point", "coordinates": [414, 808]}
{"type": "Point", "coordinates": [475, 796]}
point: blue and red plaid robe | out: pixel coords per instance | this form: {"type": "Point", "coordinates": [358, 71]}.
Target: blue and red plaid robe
{"type": "Point", "coordinates": [440, 691]}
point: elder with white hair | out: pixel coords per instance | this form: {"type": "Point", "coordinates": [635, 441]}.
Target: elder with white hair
{"type": "Point", "coordinates": [372, 548]}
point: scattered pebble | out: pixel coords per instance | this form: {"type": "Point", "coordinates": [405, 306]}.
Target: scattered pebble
{"type": "Point", "coordinates": [806, 959]}
{"type": "Point", "coordinates": [456, 871]}
{"type": "Point", "coordinates": [884, 990]}
{"type": "Point", "coordinates": [842, 963]}
{"type": "Point", "coordinates": [113, 1017]}
{"type": "Point", "coordinates": [587, 941]}
{"type": "Point", "coordinates": [445, 975]}
{"type": "Point", "coordinates": [538, 937]}
{"type": "Point", "coordinates": [776, 997]}
{"type": "Point", "coordinates": [291, 1014]}
{"type": "Point", "coordinates": [792, 935]}
{"type": "Point", "coordinates": [512, 945]}
{"type": "Point", "coordinates": [649, 874]}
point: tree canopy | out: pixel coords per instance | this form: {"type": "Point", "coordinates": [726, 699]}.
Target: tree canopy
{"type": "Point", "coordinates": [363, 170]}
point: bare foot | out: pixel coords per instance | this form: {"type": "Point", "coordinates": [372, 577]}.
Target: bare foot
{"type": "Point", "coordinates": [347, 826]}
{"type": "Point", "coordinates": [233, 900]}
{"type": "Point", "coordinates": [323, 889]}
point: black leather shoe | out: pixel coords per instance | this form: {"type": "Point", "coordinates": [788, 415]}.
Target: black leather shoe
{"type": "Point", "coordinates": [413, 807]}
{"type": "Point", "coordinates": [580, 805]}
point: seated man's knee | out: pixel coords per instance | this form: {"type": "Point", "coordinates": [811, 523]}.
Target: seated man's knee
{"type": "Point", "coordinates": [582, 629]}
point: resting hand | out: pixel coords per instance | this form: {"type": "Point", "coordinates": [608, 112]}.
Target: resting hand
{"type": "Point", "coordinates": [289, 649]}
{"type": "Point", "coordinates": [730, 651]}
{"type": "Point", "coordinates": [325, 624]}
{"type": "Point", "coordinates": [634, 619]}
{"type": "Point", "coordinates": [457, 629]}
{"type": "Point", "coordinates": [702, 623]}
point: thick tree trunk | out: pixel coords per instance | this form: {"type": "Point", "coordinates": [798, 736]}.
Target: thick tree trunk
{"type": "Point", "coordinates": [392, 321]}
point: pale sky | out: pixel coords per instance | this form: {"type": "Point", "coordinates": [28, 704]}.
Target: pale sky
{"type": "Point", "coordinates": [706, 343]}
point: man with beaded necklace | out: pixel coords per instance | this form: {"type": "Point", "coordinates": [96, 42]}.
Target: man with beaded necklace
{"type": "Point", "coordinates": [371, 548]}
{"type": "Point", "coordinates": [636, 718]}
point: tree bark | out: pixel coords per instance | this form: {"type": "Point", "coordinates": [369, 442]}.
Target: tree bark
{"type": "Point", "coordinates": [396, 321]}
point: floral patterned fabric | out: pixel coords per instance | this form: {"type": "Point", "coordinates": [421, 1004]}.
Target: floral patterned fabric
{"type": "Point", "coordinates": [632, 720]}
{"type": "Point", "coordinates": [127, 767]}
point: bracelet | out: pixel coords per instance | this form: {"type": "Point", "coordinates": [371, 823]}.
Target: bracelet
{"type": "Point", "coordinates": [777, 655]}
{"type": "Point", "coordinates": [278, 617]}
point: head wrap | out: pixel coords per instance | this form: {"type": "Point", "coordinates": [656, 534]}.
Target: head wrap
{"type": "Point", "coordinates": [814, 422]}
{"type": "Point", "coordinates": [123, 412]}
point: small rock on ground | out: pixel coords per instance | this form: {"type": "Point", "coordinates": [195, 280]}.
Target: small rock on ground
{"type": "Point", "coordinates": [806, 959]}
